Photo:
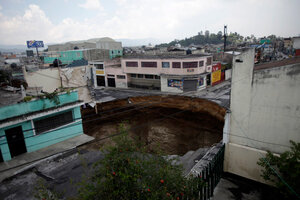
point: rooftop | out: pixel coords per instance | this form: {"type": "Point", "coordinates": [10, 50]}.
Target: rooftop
{"type": "Point", "coordinates": [7, 97]}
{"type": "Point", "coordinates": [142, 56]}
{"type": "Point", "coordinates": [279, 63]}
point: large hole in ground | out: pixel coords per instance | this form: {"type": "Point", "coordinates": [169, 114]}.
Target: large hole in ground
{"type": "Point", "coordinates": [175, 124]}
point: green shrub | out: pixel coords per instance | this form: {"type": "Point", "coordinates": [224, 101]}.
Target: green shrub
{"type": "Point", "coordinates": [129, 172]}
{"type": "Point", "coordinates": [288, 167]}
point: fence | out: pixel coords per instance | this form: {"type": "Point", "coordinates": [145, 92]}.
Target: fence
{"type": "Point", "coordinates": [208, 172]}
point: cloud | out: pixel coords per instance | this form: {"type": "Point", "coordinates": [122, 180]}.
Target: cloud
{"type": "Point", "coordinates": [33, 25]}
{"type": "Point", "coordinates": [92, 5]}
{"type": "Point", "coordinates": [164, 20]}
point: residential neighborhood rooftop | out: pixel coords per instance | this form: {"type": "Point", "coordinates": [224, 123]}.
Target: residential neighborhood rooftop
{"type": "Point", "coordinates": [279, 63]}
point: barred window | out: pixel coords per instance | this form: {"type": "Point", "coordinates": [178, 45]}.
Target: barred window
{"type": "Point", "coordinates": [149, 64]}
{"type": "Point", "coordinates": [52, 122]}
{"type": "Point", "coordinates": [208, 61]}
{"type": "Point", "coordinates": [190, 64]}
{"type": "Point", "coordinates": [176, 65]}
{"type": "Point", "coordinates": [201, 63]}
{"type": "Point", "coordinates": [131, 64]}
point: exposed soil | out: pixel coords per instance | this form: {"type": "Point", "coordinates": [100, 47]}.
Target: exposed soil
{"type": "Point", "coordinates": [174, 123]}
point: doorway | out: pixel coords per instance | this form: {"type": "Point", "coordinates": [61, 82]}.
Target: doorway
{"type": "Point", "coordinates": [100, 81]}
{"type": "Point", "coordinates": [15, 140]}
{"type": "Point", "coordinates": [111, 82]}
{"type": "Point", "coordinates": [189, 85]}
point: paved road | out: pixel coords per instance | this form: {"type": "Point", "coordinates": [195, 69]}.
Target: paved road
{"type": "Point", "coordinates": [219, 93]}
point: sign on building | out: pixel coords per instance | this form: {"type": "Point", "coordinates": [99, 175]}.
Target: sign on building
{"type": "Point", "coordinates": [216, 74]}
{"type": "Point", "coordinates": [35, 44]}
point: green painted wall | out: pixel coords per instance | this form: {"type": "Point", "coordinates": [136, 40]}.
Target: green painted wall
{"type": "Point", "coordinates": [66, 57]}
{"type": "Point", "coordinates": [35, 142]}
{"type": "Point", "coordinates": [115, 53]}
{"type": "Point", "coordinates": [36, 105]}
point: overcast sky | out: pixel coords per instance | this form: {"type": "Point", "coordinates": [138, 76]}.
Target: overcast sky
{"type": "Point", "coordinates": [65, 20]}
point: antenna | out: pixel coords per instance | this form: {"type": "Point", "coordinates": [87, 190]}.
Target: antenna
{"type": "Point", "coordinates": [225, 36]}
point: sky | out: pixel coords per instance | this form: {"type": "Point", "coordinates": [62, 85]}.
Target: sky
{"type": "Point", "coordinates": [56, 21]}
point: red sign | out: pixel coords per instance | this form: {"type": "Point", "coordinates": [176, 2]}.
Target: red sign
{"type": "Point", "coordinates": [216, 67]}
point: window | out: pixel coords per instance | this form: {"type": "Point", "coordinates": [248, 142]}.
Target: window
{"type": "Point", "coordinates": [121, 77]}
{"type": "Point", "coordinates": [52, 122]}
{"type": "Point", "coordinates": [201, 63]}
{"type": "Point", "coordinates": [176, 65]}
{"type": "Point", "coordinates": [165, 65]}
{"type": "Point", "coordinates": [208, 61]}
{"type": "Point", "coordinates": [149, 76]}
{"type": "Point", "coordinates": [133, 75]}
{"type": "Point", "coordinates": [119, 52]}
{"type": "Point", "coordinates": [149, 64]}
{"type": "Point", "coordinates": [157, 77]}
{"type": "Point", "coordinates": [131, 64]}
{"type": "Point", "coordinates": [98, 66]}
{"type": "Point", "coordinates": [190, 64]}
{"type": "Point", "coordinates": [112, 52]}
{"type": "Point", "coordinates": [140, 76]}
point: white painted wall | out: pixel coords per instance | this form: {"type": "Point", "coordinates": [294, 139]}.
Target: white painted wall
{"type": "Point", "coordinates": [228, 74]}
{"type": "Point", "coordinates": [48, 79]}
{"type": "Point", "coordinates": [296, 42]}
{"type": "Point", "coordinates": [265, 113]}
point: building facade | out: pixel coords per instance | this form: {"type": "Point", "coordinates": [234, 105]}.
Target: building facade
{"type": "Point", "coordinates": [29, 126]}
{"type": "Point", "coordinates": [167, 73]}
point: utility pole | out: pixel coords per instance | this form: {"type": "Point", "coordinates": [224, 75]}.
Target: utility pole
{"type": "Point", "coordinates": [225, 36]}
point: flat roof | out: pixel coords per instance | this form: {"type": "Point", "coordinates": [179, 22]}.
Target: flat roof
{"type": "Point", "coordinates": [279, 63]}
{"type": "Point", "coordinates": [142, 56]}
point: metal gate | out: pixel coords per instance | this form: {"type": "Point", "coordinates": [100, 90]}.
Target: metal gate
{"type": "Point", "coordinates": [111, 82]}
{"type": "Point", "coordinates": [190, 85]}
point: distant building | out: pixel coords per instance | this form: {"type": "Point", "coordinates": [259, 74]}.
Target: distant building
{"type": "Point", "coordinates": [265, 111]}
{"type": "Point", "coordinates": [296, 45]}
{"type": "Point", "coordinates": [168, 73]}
{"type": "Point", "coordinates": [108, 74]}
{"type": "Point", "coordinates": [29, 126]}
{"type": "Point", "coordinates": [113, 48]}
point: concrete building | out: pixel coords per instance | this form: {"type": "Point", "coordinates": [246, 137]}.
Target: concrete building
{"type": "Point", "coordinates": [32, 125]}
{"type": "Point", "coordinates": [108, 74]}
{"type": "Point", "coordinates": [50, 79]}
{"type": "Point", "coordinates": [100, 43]}
{"type": "Point", "coordinates": [168, 73]}
{"type": "Point", "coordinates": [296, 45]}
{"type": "Point", "coordinates": [68, 57]}
{"type": "Point", "coordinates": [91, 50]}
{"type": "Point", "coordinates": [265, 112]}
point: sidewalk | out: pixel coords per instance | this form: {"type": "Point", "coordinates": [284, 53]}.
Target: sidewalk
{"type": "Point", "coordinates": [28, 160]}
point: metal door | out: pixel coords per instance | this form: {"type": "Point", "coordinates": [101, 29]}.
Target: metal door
{"type": "Point", "coordinates": [15, 141]}
{"type": "Point", "coordinates": [190, 85]}
{"type": "Point", "coordinates": [111, 82]}
{"type": "Point", "coordinates": [100, 81]}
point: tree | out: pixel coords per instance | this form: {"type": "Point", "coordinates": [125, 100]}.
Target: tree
{"type": "Point", "coordinates": [207, 33]}
{"type": "Point", "coordinates": [288, 167]}
{"type": "Point", "coordinates": [219, 35]}
{"type": "Point", "coordinates": [129, 172]}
